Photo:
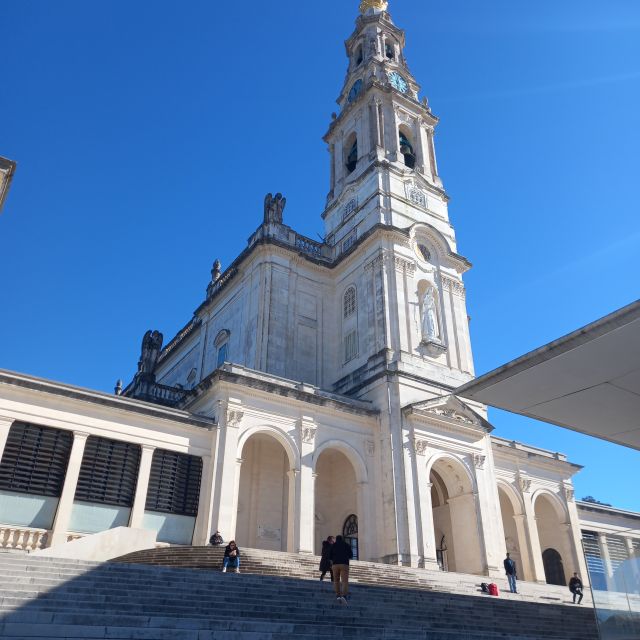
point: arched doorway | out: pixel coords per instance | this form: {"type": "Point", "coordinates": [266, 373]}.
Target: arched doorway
{"type": "Point", "coordinates": [350, 534]}
{"type": "Point", "coordinates": [336, 501]}
{"type": "Point", "coordinates": [553, 533]}
{"type": "Point", "coordinates": [455, 519]}
{"type": "Point", "coordinates": [263, 497]}
{"type": "Point", "coordinates": [553, 569]}
{"type": "Point", "coordinates": [514, 542]}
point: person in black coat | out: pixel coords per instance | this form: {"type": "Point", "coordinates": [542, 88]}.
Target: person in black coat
{"type": "Point", "coordinates": [575, 586]}
{"type": "Point", "coordinates": [340, 555]}
{"type": "Point", "coordinates": [325, 560]}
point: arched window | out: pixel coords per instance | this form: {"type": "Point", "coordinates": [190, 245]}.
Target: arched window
{"type": "Point", "coordinates": [359, 55]}
{"type": "Point", "coordinates": [221, 343]}
{"type": "Point", "coordinates": [350, 533]}
{"type": "Point", "coordinates": [352, 154]}
{"type": "Point", "coordinates": [349, 302]}
{"type": "Point", "coordinates": [390, 51]}
{"type": "Point", "coordinates": [406, 149]}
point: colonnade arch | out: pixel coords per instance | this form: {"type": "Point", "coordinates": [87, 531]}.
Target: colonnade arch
{"type": "Point", "coordinates": [515, 539]}
{"type": "Point", "coordinates": [554, 536]}
{"type": "Point", "coordinates": [340, 477]}
{"type": "Point", "coordinates": [455, 516]}
{"type": "Point", "coordinates": [265, 478]}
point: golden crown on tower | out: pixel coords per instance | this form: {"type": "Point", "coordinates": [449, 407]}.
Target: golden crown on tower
{"type": "Point", "coordinates": [381, 5]}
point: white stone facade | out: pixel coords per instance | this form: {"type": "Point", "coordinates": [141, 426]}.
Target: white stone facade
{"type": "Point", "coordinates": [312, 389]}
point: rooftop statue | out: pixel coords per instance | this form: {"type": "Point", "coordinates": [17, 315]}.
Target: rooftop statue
{"type": "Point", "coordinates": [274, 208]}
{"type": "Point", "coordinates": [150, 352]}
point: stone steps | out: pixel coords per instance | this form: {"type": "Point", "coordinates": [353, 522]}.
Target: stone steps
{"type": "Point", "coordinates": [47, 598]}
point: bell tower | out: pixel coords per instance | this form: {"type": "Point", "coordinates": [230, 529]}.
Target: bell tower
{"type": "Point", "coordinates": [383, 163]}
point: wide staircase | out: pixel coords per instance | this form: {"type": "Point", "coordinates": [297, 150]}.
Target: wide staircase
{"type": "Point", "coordinates": [181, 594]}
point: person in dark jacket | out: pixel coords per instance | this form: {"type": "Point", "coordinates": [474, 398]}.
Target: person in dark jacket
{"type": "Point", "coordinates": [512, 573]}
{"type": "Point", "coordinates": [216, 539]}
{"type": "Point", "coordinates": [340, 554]}
{"type": "Point", "coordinates": [231, 557]}
{"type": "Point", "coordinates": [575, 586]}
{"type": "Point", "coordinates": [325, 560]}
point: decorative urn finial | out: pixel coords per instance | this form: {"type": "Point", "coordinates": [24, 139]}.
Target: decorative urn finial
{"type": "Point", "coordinates": [376, 5]}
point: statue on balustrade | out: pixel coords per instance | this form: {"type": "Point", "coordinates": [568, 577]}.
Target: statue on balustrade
{"type": "Point", "coordinates": [274, 208]}
{"type": "Point", "coordinates": [151, 347]}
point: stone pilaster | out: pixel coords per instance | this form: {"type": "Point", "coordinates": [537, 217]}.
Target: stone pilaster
{"type": "Point", "coordinates": [5, 425]}
{"type": "Point", "coordinates": [202, 529]}
{"type": "Point", "coordinates": [65, 504]}
{"type": "Point", "coordinates": [305, 489]}
{"type": "Point", "coordinates": [533, 540]}
{"type": "Point", "coordinates": [140, 499]}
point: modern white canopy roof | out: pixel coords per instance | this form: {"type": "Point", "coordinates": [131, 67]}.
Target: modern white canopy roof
{"type": "Point", "coordinates": [587, 381]}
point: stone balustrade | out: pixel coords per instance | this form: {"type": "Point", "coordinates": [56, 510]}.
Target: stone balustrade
{"type": "Point", "coordinates": [22, 538]}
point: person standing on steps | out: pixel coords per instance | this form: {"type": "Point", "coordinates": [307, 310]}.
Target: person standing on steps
{"type": "Point", "coordinates": [216, 539]}
{"type": "Point", "coordinates": [340, 554]}
{"type": "Point", "coordinates": [512, 573]}
{"type": "Point", "coordinates": [325, 560]}
{"type": "Point", "coordinates": [231, 557]}
{"type": "Point", "coordinates": [575, 586]}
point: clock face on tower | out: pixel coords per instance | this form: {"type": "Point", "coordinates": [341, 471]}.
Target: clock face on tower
{"type": "Point", "coordinates": [398, 82]}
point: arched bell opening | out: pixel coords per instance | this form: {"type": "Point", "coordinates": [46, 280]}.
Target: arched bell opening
{"type": "Point", "coordinates": [407, 150]}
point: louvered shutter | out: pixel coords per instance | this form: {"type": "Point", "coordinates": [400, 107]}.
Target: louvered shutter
{"type": "Point", "coordinates": [35, 459]}
{"type": "Point", "coordinates": [109, 472]}
{"type": "Point", "coordinates": [174, 483]}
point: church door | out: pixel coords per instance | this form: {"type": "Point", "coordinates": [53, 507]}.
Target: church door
{"type": "Point", "coordinates": [553, 569]}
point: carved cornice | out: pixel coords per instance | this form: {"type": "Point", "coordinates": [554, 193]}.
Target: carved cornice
{"type": "Point", "coordinates": [455, 286]}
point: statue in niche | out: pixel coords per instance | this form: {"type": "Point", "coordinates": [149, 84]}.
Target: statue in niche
{"type": "Point", "coordinates": [430, 325]}
{"type": "Point", "coordinates": [151, 347]}
{"type": "Point", "coordinates": [274, 208]}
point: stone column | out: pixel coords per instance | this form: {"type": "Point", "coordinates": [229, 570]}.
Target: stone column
{"type": "Point", "coordinates": [202, 529]}
{"type": "Point", "coordinates": [606, 560]}
{"type": "Point", "coordinates": [428, 539]}
{"type": "Point", "coordinates": [533, 540]}
{"type": "Point", "coordinates": [65, 504]}
{"type": "Point", "coordinates": [525, 551]}
{"type": "Point", "coordinates": [489, 518]}
{"type": "Point", "coordinates": [292, 522]}
{"type": "Point", "coordinates": [575, 536]}
{"type": "Point", "coordinates": [413, 518]}
{"type": "Point", "coordinates": [225, 499]}
{"type": "Point", "coordinates": [305, 489]}
{"type": "Point", "coordinates": [5, 425]}
{"type": "Point", "coordinates": [140, 499]}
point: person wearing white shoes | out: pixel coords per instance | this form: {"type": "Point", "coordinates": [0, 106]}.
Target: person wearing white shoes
{"type": "Point", "coordinates": [231, 557]}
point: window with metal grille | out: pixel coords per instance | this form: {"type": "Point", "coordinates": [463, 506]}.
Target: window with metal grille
{"type": "Point", "coordinates": [595, 563]}
{"type": "Point", "coordinates": [349, 301]}
{"type": "Point", "coordinates": [636, 547]}
{"type": "Point", "coordinates": [350, 346]}
{"type": "Point", "coordinates": [174, 483]}
{"type": "Point", "coordinates": [35, 459]}
{"type": "Point", "coordinates": [109, 472]}
{"type": "Point", "coordinates": [618, 552]}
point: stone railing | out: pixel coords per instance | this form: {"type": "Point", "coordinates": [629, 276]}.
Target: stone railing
{"type": "Point", "coordinates": [22, 538]}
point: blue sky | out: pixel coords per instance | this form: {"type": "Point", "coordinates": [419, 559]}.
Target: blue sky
{"type": "Point", "coordinates": [147, 134]}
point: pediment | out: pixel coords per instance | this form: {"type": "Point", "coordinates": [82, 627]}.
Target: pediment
{"type": "Point", "coordinates": [452, 410]}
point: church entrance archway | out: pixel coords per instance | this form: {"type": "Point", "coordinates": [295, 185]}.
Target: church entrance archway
{"type": "Point", "coordinates": [263, 497]}
{"type": "Point", "coordinates": [553, 532]}
{"type": "Point", "coordinates": [514, 540]}
{"type": "Point", "coordinates": [336, 501]}
{"type": "Point", "coordinates": [455, 519]}
{"type": "Point", "coordinates": [553, 569]}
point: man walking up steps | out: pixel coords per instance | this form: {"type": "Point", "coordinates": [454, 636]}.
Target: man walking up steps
{"type": "Point", "coordinates": [340, 555]}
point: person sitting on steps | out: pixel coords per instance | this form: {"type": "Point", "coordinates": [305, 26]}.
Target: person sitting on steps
{"type": "Point", "coordinates": [231, 557]}
{"type": "Point", "coordinates": [216, 539]}
{"type": "Point", "coordinates": [575, 586]}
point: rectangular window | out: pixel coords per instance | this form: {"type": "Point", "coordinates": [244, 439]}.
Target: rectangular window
{"type": "Point", "coordinates": [109, 472]}
{"type": "Point", "coordinates": [174, 483]}
{"type": "Point", "coordinates": [35, 460]}
{"type": "Point", "coordinates": [349, 241]}
{"type": "Point", "coordinates": [350, 346]}
{"type": "Point", "coordinates": [595, 563]}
